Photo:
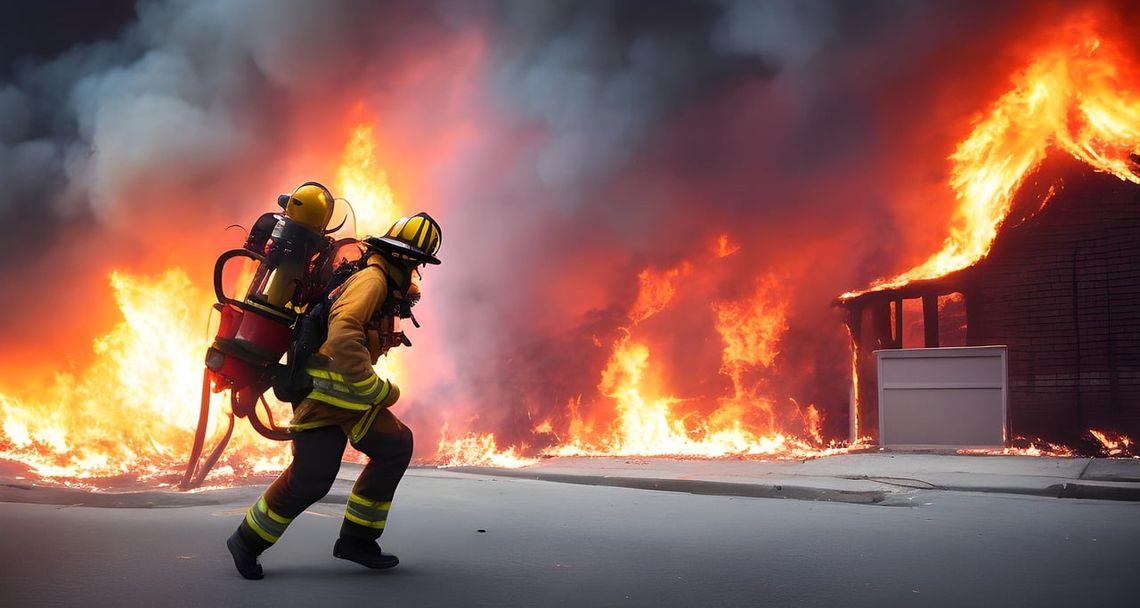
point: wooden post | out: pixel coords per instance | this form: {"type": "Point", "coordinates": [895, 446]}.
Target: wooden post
{"type": "Point", "coordinates": [930, 319]}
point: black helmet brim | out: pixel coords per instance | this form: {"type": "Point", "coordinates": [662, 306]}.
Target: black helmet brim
{"type": "Point", "coordinates": [383, 243]}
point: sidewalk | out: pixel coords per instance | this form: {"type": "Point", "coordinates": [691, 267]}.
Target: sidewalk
{"type": "Point", "coordinates": [886, 478]}
{"type": "Point", "coordinates": [858, 478]}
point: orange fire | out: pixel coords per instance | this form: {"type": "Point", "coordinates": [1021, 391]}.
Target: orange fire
{"type": "Point", "coordinates": [634, 412]}
{"type": "Point", "coordinates": [1081, 96]}
{"type": "Point", "coordinates": [648, 420]}
{"type": "Point", "coordinates": [133, 411]}
{"type": "Point", "coordinates": [1113, 444]}
{"type": "Point", "coordinates": [1024, 447]}
{"type": "Point", "coordinates": [854, 398]}
{"type": "Point", "coordinates": [475, 449]}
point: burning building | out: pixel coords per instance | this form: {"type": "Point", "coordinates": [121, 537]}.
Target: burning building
{"type": "Point", "coordinates": [1058, 288]}
{"type": "Point", "coordinates": [1044, 259]}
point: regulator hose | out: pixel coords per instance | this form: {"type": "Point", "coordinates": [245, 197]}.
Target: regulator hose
{"type": "Point", "coordinates": [270, 431]}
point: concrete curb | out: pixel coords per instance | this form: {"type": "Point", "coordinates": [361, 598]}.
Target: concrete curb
{"type": "Point", "coordinates": [690, 486]}
{"type": "Point", "coordinates": [1098, 492]}
{"type": "Point", "coordinates": [1088, 491]}
{"type": "Point", "coordinates": [131, 499]}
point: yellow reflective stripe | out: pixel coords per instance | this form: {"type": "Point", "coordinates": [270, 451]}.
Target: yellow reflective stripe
{"type": "Point", "coordinates": [383, 394]}
{"type": "Point", "coordinates": [346, 392]}
{"type": "Point", "coordinates": [366, 385]}
{"type": "Point", "coordinates": [337, 401]}
{"type": "Point", "coordinates": [382, 504]}
{"type": "Point", "coordinates": [325, 374]}
{"type": "Point", "coordinates": [379, 525]}
{"type": "Point", "coordinates": [362, 426]}
{"type": "Point", "coordinates": [367, 512]}
{"type": "Point", "coordinates": [275, 517]}
{"type": "Point", "coordinates": [257, 528]}
{"type": "Point", "coordinates": [263, 521]}
{"type": "Point", "coordinates": [367, 391]}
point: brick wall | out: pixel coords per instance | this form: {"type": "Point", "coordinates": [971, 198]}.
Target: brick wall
{"type": "Point", "coordinates": [1062, 290]}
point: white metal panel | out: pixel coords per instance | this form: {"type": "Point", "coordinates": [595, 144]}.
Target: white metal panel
{"type": "Point", "coordinates": [942, 397]}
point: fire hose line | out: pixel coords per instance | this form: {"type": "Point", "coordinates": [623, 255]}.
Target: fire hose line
{"type": "Point", "coordinates": [215, 454]}
{"type": "Point", "coordinates": [200, 434]}
{"type": "Point", "coordinates": [196, 469]}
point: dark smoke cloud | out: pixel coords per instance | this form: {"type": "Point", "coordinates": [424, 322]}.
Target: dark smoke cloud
{"type": "Point", "coordinates": [184, 92]}
{"type": "Point", "coordinates": [602, 76]}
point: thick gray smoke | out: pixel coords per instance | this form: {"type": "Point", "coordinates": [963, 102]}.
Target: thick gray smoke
{"type": "Point", "coordinates": [182, 92]}
{"type": "Point", "coordinates": [602, 76]}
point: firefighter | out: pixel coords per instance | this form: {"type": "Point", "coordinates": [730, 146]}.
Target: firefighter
{"type": "Point", "coordinates": [349, 403]}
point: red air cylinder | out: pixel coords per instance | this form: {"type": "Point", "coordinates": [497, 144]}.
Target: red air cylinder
{"type": "Point", "coordinates": [248, 342]}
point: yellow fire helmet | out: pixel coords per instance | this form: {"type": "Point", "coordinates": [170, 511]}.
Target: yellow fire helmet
{"type": "Point", "coordinates": [311, 204]}
{"type": "Point", "coordinates": [414, 239]}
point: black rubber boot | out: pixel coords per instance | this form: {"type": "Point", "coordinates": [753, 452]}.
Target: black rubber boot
{"type": "Point", "coordinates": [244, 558]}
{"type": "Point", "coordinates": [364, 552]}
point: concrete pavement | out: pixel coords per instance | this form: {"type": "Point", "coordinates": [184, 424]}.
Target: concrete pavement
{"type": "Point", "coordinates": [489, 540]}
{"type": "Point", "coordinates": [855, 478]}
{"type": "Point", "coordinates": [863, 478]}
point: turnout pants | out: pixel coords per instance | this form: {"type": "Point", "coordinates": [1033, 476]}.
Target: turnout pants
{"type": "Point", "coordinates": [317, 455]}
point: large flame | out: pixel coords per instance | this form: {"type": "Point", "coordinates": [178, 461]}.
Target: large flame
{"type": "Point", "coordinates": [478, 449]}
{"type": "Point", "coordinates": [635, 413]}
{"type": "Point", "coordinates": [645, 418]}
{"type": "Point", "coordinates": [1079, 95]}
{"type": "Point", "coordinates": [134, 410]}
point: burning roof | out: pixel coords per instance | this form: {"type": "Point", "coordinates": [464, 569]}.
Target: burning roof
{"type": "Point", "coordinates": [1079, 96]}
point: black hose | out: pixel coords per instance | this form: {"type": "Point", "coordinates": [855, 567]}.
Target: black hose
{"type": "Point", "coordinates": [220, 265]}
{"type": "Point", "coordinates": [268, 412]}
{"type": "Point", "coordinates": [215, 454]}
{"type": "Point", "coordinates": [269, 432]}
{"type": "Point", "coordinates": [200, 434]}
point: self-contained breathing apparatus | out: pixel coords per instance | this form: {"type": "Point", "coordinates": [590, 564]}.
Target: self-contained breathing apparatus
{"type": "Point", "coordinates": [300, 265]}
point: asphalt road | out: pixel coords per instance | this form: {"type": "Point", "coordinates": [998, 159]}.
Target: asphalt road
{"type": "Point", "coordinates": [467, 540]}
